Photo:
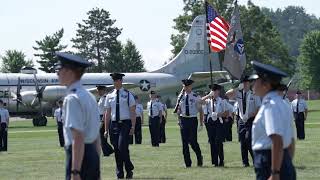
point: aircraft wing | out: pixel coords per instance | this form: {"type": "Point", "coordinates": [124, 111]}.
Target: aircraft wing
{"type": "Point", "coordinates": [218, 76]}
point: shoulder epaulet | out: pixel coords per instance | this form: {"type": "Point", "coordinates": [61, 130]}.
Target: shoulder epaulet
{"type": "Point", "coordinates": [104, 95]}
{"type": "Point", "coordinates": [74, 90]}
{"type": "Point", "coordinates": [195, 95]}
{"type": "Point", "coordinates": [266, 101]}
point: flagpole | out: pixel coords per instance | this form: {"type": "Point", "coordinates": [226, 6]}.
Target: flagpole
{"type": "Point", "coordinates": [209, 49]}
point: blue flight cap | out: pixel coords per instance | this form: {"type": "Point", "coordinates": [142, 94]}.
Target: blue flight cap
{"type": "Point", "coordinates": [70, 60]}
{"type": "Point", "coordinates": [245, 78]}
{"type": "Point", "coordinates": [116, 76]}
{"type": "Point", "coordinates": [187, 82]}
{"type": "Point", "coordinates": [215, 87]}
{"type": "Point", "coordinates": [266, 71]}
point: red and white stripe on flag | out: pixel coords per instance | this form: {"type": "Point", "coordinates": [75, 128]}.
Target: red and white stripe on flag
{"type": "Point", "coordinates": [217, 31]}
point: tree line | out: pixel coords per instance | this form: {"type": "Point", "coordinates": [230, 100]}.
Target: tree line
{"type": "Point", "coordinates": [96, 39]}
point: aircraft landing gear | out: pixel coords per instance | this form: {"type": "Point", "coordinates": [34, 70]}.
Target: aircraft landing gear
{"type": "Point", "coordinates": [40, 121]}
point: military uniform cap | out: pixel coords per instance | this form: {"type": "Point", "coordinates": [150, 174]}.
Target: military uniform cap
{"type": "Point", "coordinates": [245, 78]}
{"type": "Point", "coordinates": [215, 87]}
{"type": "Point", "coordinates": [298, 92]}
{"type": "Point", "coordinates": [187, 82]}
{"type": "Point", "coordinates": [100, 87]}
{"type": "Point", "coordinates": [152, 92]}
{"type": "Point", "coordinates": [116, 76]}
{"type": "Point", "coordinates": [70, 60]}
{"type": "Point", "coordinates": [266, 71]}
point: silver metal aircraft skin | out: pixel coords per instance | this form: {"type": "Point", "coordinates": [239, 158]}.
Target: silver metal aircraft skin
{"type": "Point", "coordinates": [20, 92]}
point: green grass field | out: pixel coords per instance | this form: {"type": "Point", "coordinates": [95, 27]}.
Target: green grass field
{"type": "Point", "coordinates": [33, 153]}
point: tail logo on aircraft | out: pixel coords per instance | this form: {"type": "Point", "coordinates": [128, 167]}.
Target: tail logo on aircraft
{"type": "Point", "coordinates": [144, 85]}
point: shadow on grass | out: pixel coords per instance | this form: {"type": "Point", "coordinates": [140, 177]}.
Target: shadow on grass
{"type": "Point", "coordinates": [39, 127]}
{"type": "Point", "coordinates": [314, 110]}
{"type": "Point", "coordinates": [160, 178]}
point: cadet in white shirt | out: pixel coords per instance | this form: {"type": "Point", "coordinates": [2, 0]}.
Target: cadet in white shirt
{"type": "Point", "coordinates": [4, 124]}
{"type": "Point", "coordinates": [272, 134]}
{"type": "Point", "coordinates": [162, 137]}
{"type": "Point", "coordinates": [121, 111]}
{"type": "Point", "coordinates": [300, 110]}
{"type": "Point", "coordinates": [189, 107]}
{"type": "Point", "coordinates": [228, 121]}
{"type": "Point", "coordinates": [81, 120]}
{"type": "Point", "coordinates": [154, 108]}
{"type": "Point", "coordinates": [58, 117]}
{"type": "Point", "coordinates": [139, 121]}
{"type": "Point", "coordinates": [248, 104]}
{"type": "Point", "coordinates": [217, 112]}
{"type": "Point", "coordinates": [107, 149]}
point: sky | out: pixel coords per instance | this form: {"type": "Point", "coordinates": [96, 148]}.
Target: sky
{"type": "Point", "coordinates": [148, 23]}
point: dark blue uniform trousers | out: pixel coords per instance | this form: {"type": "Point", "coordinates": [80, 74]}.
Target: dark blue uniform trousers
{"type": "Point", "coordinates": [60, 133]}
{"type": "Point", "coordinates": [299, 120]}
{"type": "Point", "coordinates": [262, 165]}
{"type": "Point", "coordinates": [227, 125]}
{"type": "Point", "coordinates": [163, 138]}
{"type": "Point", "coordinates": [188, 130]}
{"type": "Point", "coordinates": [216, 137]}
{"type": "Point", "coordinates": [137, 132]}
{"type": "Point", "coordinates": [120, 141]}
{"type": "Point", "coordinates": [154, 128]}
{"type": "Point", "coordinates": [3, 137]}
{"type": "Point", "coordinates": [245, 139]}
{"type": "Point", "coordinates": [90, 169]}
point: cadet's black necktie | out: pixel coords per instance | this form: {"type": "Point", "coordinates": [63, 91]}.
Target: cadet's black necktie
{"type": "Point", "coordinates": [151, 111]}
{"type": "Point", "coordinates": [213, 100]}
{"type": "Point", "coordinates": [297, 106]}
{"type": "Point", "coordinates": [187, 105]}
{"type": "Point", "coordinates": [60, 114]}
{"type": "Point", "coordinates": [244, 102]}
{"type": "Point", "coordinates": [117, 107]}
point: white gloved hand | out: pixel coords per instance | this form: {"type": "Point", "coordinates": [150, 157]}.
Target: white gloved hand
{"type": "Point", "coordinates": [211, 93]}
{"type": "Point", "coordinates": [245, 118]}
{"type": "Point", "coordinates": [240, 87]}
{"type": "Point", "coordinates": [214, 116]}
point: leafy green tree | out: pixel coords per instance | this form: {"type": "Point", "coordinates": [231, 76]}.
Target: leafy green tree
{"type": "Point", "coordinates": [308, 61]}
{"type": "Point", "coordinates": [125, 58]}
{"type": "Point", "coordinates": [132, 58]}
{"type": "Point", "coordinates": [47, 47]}
{"type": "Point", "coordinates": [13, 61]}
{"type": "Point", "coordinates": [293, 23]}
{"type": "Point", "coordinates": [262, 41]}
{"type": "Point", "coordinates": [96, 37]}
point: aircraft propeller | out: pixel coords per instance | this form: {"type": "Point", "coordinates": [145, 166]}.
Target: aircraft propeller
{"type": "Point", "coordinates": [39, 94]}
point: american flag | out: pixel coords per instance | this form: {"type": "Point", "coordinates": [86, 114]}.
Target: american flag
{"type": "Point", "coordinates": [217, 29]}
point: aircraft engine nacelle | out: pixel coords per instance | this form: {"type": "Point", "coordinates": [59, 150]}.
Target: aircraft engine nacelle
{"type": "Point", "coordinates": [53, 93]}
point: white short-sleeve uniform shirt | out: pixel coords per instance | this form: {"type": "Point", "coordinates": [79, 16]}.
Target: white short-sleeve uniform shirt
{"type": "Point", "coordinates": [80, 112]}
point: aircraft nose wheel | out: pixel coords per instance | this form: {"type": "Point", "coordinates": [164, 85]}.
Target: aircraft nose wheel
{"type": "Point", "coordinates": [40, 121]}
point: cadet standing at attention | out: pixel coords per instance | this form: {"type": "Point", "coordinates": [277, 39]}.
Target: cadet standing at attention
{"type": "Point", "coordinates": [248, 106]}
{"type": "Point", "coordinates": [164, 120]}
{"type": "Point", "coordinates": [155, 118]}
{"type": "Point", "coordinates": [81, 120]}
{"type": "Point", "coordinates": [4, 124]}
{"type": "Point", "coordinates": [217, 111]}
{"type": "Point", "coordinates": [58, 116]}
{"type": "Point", "coordinates": [189, 106]}
{"type": "Point", "coordinates": [105, 146]}
{"type": "Point", "coordinates": [121, 111]}
{"type": "Point", "coordinates": [300, 110]}
{"type": "Point", "coordinates": [139, 122]}
{"type": "Point", "coordinates": [272, 134]}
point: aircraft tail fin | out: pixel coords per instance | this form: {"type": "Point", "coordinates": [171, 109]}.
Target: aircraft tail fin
{"type": "Point", "coordinates": [194, 55]}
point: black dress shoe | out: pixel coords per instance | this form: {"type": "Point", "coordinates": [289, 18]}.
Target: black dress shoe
{"type": "Point", "coordinates": [129, 175]}
{"type": "Point", "coordinates": [221, 164]}
{"type": "Point", "coordinates": [246, 165]}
